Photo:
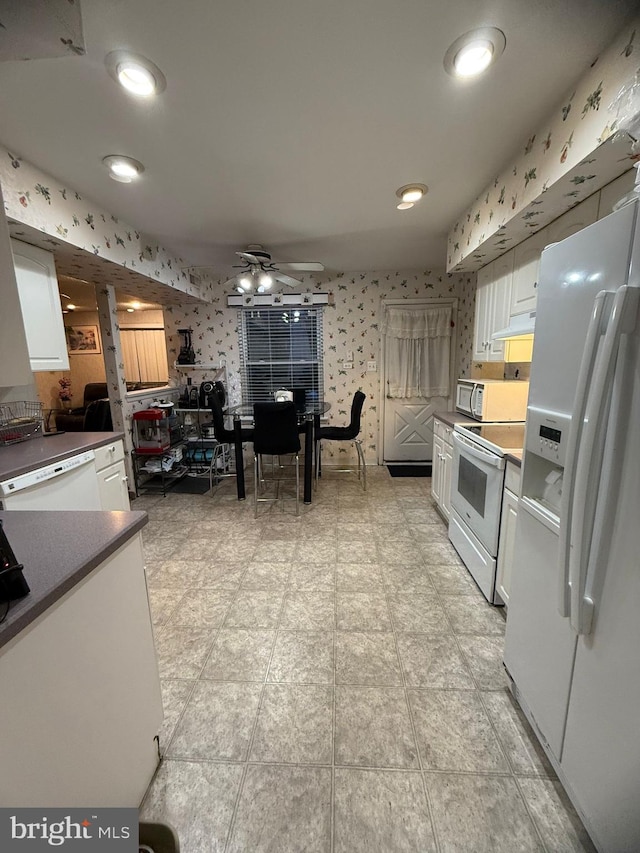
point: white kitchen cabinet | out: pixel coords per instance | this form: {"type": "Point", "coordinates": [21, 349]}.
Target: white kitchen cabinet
{"type": "Point", "coordinates": [507, 541]}
{"type": "Point", "coordinates": [442, 466]}
{"type": "Point", "coordinates": [40, 305]}
{"type": "Point", "coordinates": [574, 220]}
{"type": "Point", "coordinates": [112, 477]}
{"type": "Point", "coordinates": [493, 304]}
{"type": "Point", "coordinates": [526, 265]}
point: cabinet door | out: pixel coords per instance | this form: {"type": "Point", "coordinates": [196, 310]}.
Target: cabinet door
{"type": "Point", "coordinates": [40, 305]}
{"type": "Point", "coordinates": [112, 487]}
{"type": "Point", "coordinates": [447, 472]}
{"type": "Point", "coordinates": [500, 303]}
{"type": "Point", "coordinates": [574, 220]}
{"type": "Point", "coordinates": [482, 313]}
{"type": "Point", "coordinates": [436, 470]}
{"type": "Point", "coordinates": [506, 544]}
{"type": "Point", "coordinates": [526, 263]}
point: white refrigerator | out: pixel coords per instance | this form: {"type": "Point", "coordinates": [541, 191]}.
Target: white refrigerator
{"type": "Point", "coordinates": [572, 645]}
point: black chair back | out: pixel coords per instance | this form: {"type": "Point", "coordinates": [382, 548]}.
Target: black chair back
{"type": "Point", "coordinates": [223, 435]}
{"type": "Point", "coordinates": [356, 412]}
{"type": "Point", "coordinates": [275, 428]}
{"type": "Point", "coordinates": [97, 417]}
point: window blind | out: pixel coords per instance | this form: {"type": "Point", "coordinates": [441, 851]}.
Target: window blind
{"type": "Point", "coordinates": [281, 347]}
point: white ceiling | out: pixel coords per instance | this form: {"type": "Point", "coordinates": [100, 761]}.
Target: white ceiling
{"type": "Point", "coordinates": [292, 122]}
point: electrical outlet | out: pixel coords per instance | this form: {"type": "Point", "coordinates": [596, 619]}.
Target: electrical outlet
{"type": "Point", "coordinates": [349, 356]}
{"type": "Point", "coordinates": [372, 366]}
{"type": "Point", "coordinates": [347, 365]}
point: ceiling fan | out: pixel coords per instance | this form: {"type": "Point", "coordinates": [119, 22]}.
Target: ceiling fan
{"type": "Point", "coordinates": [258, 271]}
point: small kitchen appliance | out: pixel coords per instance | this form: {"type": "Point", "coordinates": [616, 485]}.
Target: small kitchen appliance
{"type": "Point", "coordinates": [493, 399]}
{"type": "Point", "coordinates": [186, 354]}
{"type": "Point", "coordinates": [152, 430]}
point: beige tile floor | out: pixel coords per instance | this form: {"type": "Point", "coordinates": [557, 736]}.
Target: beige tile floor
{"type": "Point", "coordinates": [334, 682]}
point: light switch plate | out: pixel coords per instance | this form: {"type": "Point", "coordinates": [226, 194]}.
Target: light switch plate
{"type": "Point", "coordinates": [347, 365]}
{"type": "Point", "coordinates": [372, 366]}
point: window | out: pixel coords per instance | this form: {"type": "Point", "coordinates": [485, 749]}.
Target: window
{"type": "Point", "coordinates": [144, 352]}
{"type": "Point", "coordinates": [280, 348]}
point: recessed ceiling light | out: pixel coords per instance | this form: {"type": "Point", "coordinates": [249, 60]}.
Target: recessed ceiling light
{"type": "Point", "coordinates": [123, 169]}
{"type": "Point", "coordinates": [136, 306]}
{"type": "Point", "coordinates": [409, 194]}
{"type": "Point", "coordinates": [71, 306]}
{"type": "Point", "coordinates": [130, 310]}
{"type": "Point", "coordinates": [135, 73]}
{"type": "Point", "coordinates": [473, 52]}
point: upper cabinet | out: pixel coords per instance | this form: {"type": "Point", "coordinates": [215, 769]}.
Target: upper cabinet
{"type": "Point", "coordinates": [524, 289]}
{"type": "Point", "coordinates": [40, 305]}
{"type": "Point", "coordinates": [493, 300]}
{"type": "Point", "coordinates": [613, 192]}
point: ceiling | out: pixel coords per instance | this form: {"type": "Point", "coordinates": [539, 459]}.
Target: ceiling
{"type": "Point", "coordinates": [292, 123]}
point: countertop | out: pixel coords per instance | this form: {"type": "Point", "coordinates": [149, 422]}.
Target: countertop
{"type": "Point", "coordinates": [58, 549]}
{"type": "Point", "coordinates": [514, 456]}
{"type": "Point", "coordinates": [453, 418]}
{"type": "Point", "coordinates": [16, 459]}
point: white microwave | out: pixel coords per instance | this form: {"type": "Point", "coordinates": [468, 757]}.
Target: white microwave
{"type": "Point", "coordinates": [493, 399]}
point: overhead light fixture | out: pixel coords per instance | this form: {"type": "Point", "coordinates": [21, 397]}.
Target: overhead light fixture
{"type": "Point", "coordinates": [71, 307]}
{"type": "Point", "coordinates": [474, 52]}
{"type": "Point", "coordinates": [130, 310]}
{"type": "Point", "coordinates": [135, 73]}
{"type": "Point", "coordinates": [409, 194]}
{"type": "Point", "coordinates": [136, 306]}
{"type": "Point", "coordinates": [123, 169]}
{"type": "Point", "coordinates": [265, 280]}
{"type": "Point", "coordinates": [245, 283]}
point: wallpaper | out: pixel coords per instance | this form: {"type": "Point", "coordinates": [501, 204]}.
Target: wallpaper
{"type": "Point", "coordinates": [575, 129]}
{"type": "Point", "coordinates": [83, 236]}
{"type": "Point", "coordinates": [351, 324]}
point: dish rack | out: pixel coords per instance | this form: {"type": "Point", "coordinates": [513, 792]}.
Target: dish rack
{"type": "Point", "coordinates": [19, 421]}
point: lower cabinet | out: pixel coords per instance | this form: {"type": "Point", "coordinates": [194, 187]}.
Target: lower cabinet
{"type": "Point", "coordinates": [507, 541]}
{"type": "Point", "coordinates": [112, 477]}
{"type": "Point", "coordinates": [442, 466]}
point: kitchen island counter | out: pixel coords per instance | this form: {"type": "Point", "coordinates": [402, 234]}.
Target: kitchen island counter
{"type": "Point", "coordinates": [16, 459]}
{"type": "Point", "coordinates": [57, 552]}
{"type": "Point", "coordinates": [81, 700]}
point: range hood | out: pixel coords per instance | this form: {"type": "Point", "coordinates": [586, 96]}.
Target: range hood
{"type": "Point", "coordinates": [521, 324]}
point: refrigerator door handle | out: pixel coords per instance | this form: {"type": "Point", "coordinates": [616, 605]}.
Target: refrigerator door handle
{"type": "Point", "coordinates": [594, 332]}
{"type": "Point", "coordinates": [587, 466]}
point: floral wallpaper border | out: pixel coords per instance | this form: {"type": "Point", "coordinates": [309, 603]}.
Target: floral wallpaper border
{"type": "Point", "coordinates": [564, 144]}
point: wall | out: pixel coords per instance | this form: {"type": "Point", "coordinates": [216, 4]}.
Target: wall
{"type": "Point", "coordinates": [352, 323]}
{"type": "Point", "coordinates": [580, 122]}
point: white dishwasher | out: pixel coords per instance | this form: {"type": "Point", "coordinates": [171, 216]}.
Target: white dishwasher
{"type": "Point", "coordinates": [68, 484]}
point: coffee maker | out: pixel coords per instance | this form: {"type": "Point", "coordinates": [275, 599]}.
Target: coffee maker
{"type": "Point", "coordinates": [186, 354]}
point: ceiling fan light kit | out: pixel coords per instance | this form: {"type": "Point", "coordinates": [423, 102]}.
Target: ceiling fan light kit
{"type": "Point", "coordinates": [260, 272]}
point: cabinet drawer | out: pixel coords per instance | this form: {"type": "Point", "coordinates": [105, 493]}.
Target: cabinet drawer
{"type": "Point", "coordinates": [512, 478]}
{"type": "Point", "coordinates": [438, 428]}
{"type": "Point", "coordinates": [108, 454]}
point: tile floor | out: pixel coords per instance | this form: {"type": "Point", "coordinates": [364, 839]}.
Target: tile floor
{"type": "Point", "coordinates": [333, 683]}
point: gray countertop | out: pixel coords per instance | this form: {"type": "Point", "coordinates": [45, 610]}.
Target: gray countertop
{"type": "Point", "coordinates": [57, 550]}
{"type": "Point", "coordinates": [16, 459]}
{"type": "Point", "coordinates": [453, 418]}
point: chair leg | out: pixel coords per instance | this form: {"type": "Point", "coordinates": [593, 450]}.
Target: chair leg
{"type": "Point", "coordinates": [361, 461]}
{"type": "Point", "coordinates": [297, 485]}
{"type": "Point", "coordinates": [256, 484]}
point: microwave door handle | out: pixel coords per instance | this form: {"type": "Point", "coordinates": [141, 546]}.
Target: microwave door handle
{"type": "Point", "coordinates": [472, 400]}
{"type": "Point", "coordinates": [588, 466]}
{"type": "Point", "coordinates": [477, 453]}
{"type": "Point", "coordinates": [594, 332]}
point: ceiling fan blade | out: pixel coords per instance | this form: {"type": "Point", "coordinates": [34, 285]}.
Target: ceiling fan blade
{"type": "Point", "coordinates": [286, 279]}
{"type": "Point", "coordinates": [310, 266]}
{"type": "Point", "coordinates": [249, 257]}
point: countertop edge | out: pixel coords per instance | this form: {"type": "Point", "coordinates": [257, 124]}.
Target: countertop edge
{"type": "Point", "coordinates": [138, 519]}
{"type": "Point", "coordinates": [41, 451]}
{"type": "Point", "coordinates": [452, 418]}
{"type": "Point", "coordinates": [516, 460]}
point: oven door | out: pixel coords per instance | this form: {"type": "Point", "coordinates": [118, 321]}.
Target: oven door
{"type": "Point", "coordinates": [476, 489]}
{"type": "Point", "coordinates": [464, 397]}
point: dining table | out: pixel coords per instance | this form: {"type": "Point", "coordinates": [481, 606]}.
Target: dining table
{"type": "Point", "coordinates": [308, 417]}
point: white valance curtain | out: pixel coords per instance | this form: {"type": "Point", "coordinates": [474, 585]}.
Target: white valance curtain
{"type": "Point", "coordinates": [418, 351]}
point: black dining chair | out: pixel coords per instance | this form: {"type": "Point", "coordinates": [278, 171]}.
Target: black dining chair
{"type": "Point", "coordinates": [275, 434]}
{"type": "Point", "coordinates": [224, 437]}
{"type": "Point", "coordinates": [346, 433]}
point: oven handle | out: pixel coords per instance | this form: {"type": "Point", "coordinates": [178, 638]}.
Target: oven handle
{"type": "Point", "coordinates": [476, 452]}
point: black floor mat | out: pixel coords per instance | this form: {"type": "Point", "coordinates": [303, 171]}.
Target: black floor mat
{"type": "Point", "coordinates": [192, 486]}
{"type": "Point", "coordinates": [410, 470]}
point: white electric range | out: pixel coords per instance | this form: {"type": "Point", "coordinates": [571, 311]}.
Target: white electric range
{"type": "Point", "coordinates": [477, 483]}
